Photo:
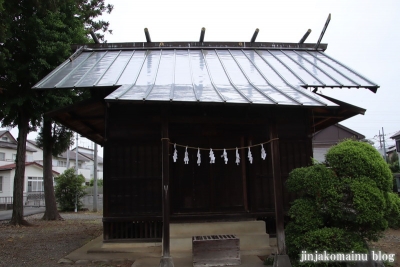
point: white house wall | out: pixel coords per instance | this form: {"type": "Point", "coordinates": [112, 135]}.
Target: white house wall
{"type": "Point", "coordinates": [38, 155]}
{"type": "Point", "coordinates": [319, 153]}
{"type": "Point", "coordinates": [84, 172]}
{"type": "Point", "coordinates": [7, 185]}
{"type": "Point", "coordinates": [8, 158]}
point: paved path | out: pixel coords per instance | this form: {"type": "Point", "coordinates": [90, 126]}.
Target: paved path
{"type": "Point", "coordinates": [6, 214]}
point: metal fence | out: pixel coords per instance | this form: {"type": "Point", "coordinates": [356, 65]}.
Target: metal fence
{"type": "Point", "coordinates": [36, 199]}
{"type": "Point", "coordinates": [6, 203]}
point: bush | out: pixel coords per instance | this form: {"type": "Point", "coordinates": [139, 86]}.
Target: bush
{"type": "Point", "coordinates": [342, 204]}
{"type": "Point", "coordinates": [99, 182]}
{"type": "Point", "coordinates": [68, 188]}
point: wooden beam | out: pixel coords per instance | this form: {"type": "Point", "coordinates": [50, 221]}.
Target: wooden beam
{"type": "Point", "coordinates": [323, 31]}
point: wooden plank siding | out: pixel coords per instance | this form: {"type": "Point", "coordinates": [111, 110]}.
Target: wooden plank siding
{"type": "Point", "coordinates": [133, 167]}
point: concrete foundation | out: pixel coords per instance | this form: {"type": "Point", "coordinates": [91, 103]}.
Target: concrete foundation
{"type": "Point", "coordinates": [253, 239]}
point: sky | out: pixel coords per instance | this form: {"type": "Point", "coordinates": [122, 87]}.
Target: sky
{"type": "Point", "coordinates": [362, 34]}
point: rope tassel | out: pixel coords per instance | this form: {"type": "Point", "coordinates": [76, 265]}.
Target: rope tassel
{"type": "Point", "coordinates": [175, 156]}
{"type": "Point", "coordinates": [212, 157]}
{"type": "Point", "coordinates": [250, 156]}
{"type": "Point", "coordinates": [198, 156]}
{"type": "Point", "coordinates": [225, 156]}
{"type": "Point", "coordinates": [263, 153]}
{"type": "Point", "coordinates": [186, 159]}
{"type": "Point", "coordinates": [237, 157]}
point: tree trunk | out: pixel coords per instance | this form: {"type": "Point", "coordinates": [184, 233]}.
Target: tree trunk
{"type": "Point", "coordinates": [18, 193]}
{"type": "Point", "coordinates": [51, 212]}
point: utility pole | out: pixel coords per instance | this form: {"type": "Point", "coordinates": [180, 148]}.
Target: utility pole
{"type": "Point", "coordinates": [76, 172]}
{"type": "Point", "coordinates": [68, 157]}
{"type": "Point", "coordinates": [95, 179]}
{"type": "Point", "coordinates": [76, 155]}
{"type": "Point", "coordinates": [384, 146]}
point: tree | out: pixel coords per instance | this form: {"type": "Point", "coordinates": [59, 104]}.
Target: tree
{"type": "Point", "coordinates": [54, 139]}
{"type": "Point", "coordinates": [35, 38]}
{"type": "Point", "coordinates": [69, 190]}
{"type": "Point", "coordinates": [341, 204]}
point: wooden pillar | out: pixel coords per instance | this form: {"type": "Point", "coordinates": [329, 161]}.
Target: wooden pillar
{"type": "Point", "coordinates": [166, 259]}
{"type": "Point", "coordinates": [281, 259]}
{"type": "Point", "coordinates": [244, 178]}
{"type": "Point", "coordinates": [276, 174]}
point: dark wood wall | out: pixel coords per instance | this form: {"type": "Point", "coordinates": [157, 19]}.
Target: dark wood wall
{"type": "Point", "coordinates": [132, 164]}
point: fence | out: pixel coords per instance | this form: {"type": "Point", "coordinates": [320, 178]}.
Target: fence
{"type": "Point", "coordinates": [90, 190]}
{"type": "Point", "coordinates": [36, 199]}
{"type": "Point", "coordinates": [30, 199]}
{"type": "Point", "coordinates": [6, 203]}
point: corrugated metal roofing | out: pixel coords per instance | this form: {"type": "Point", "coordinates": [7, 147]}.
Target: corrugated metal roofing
{"type": "Point", "coordinates": [260, 76]}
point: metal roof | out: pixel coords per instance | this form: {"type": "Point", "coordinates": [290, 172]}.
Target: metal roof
{"type": "Point", "coordinates": [259, 75]}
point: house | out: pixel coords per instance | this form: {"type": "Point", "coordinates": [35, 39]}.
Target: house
{"type": "Point", "coordinates": [390, 151]}
{"type": "Point", "coordinates": [34, 162]}
{"type": "Point", "coordinates": [88, 155]}
{"type": "Point", "coordinates": [200, 131]}
{"type": "Point", "coordinates": [60, 162]}
{"type": "Point", "coordinates": [330, 136]}
{"type": "Point", "coordinates": [396, 137]}
{"type": "Point", "coordinates": [8, 153]}
{"type": "Point", "coordinates": [33, 178]}
{"type": "Point", "coordinates": [8, 149]}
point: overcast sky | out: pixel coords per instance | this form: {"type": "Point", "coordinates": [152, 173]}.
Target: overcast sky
{"type": "Point", "coordinates": [363, 34]}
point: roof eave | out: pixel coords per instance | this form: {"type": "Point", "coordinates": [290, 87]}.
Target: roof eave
{"type": "Point", "coordinates": [199, 45]}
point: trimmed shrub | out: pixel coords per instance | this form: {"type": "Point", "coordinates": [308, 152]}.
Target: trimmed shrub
{"type": "Point", "coordinates": [69, 188]}
{"type": "Point", "coordinates": [342, 204]}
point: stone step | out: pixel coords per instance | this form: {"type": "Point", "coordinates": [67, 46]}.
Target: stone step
{"type": "Point", "coordinates": [216, 228]}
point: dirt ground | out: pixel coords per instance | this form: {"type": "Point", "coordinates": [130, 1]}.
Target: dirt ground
{"type": "Point", "coordinates": [389, 244]}
{"type": "Point", "coordinates": [46, 242]}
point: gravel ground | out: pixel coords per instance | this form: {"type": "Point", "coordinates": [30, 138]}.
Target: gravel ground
{"type": "Point", "coordinates": [46, 242]}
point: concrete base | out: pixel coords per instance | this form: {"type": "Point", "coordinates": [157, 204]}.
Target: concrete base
{"type": "Point", "coordinates": [253, 239]}
{"type": "Point", "coordinates": [282, 261]}
{"type": "Point", "coordinates": [166, 262]}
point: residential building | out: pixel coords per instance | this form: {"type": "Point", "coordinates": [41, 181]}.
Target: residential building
{"type": "Point", "coordinates": [60, 162]}
{"type": "Point", "coordinates": [8, 149]}
{"type": "Point", "coordinates": [396, 137]}
{"type": "Point", "coordinates": [33, 178]}
{"type": "Point", "coordinates": [34, 165]}
{"type": "Point", "coordinates": [330, 136]}
{"type": "Point", "coordinates": [88, 155]}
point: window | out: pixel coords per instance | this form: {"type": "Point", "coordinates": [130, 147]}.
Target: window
{"type": "Point", "coordinates": [1, 183]}
{"type": "Point", "coordinates": [2, 156]}
{"type": "Point", "coordinates": [14, 157]}
{"type": "Point", "coordinates": [61, 163]}
{"type": "Point", "coordinates": [28, 158]}
{"type": "Point", "coordinates": [398, 145]}
{"type": "Point", "coordinates": [35, 184]}
{"type": "Point", "coordinates": [4, 139]}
